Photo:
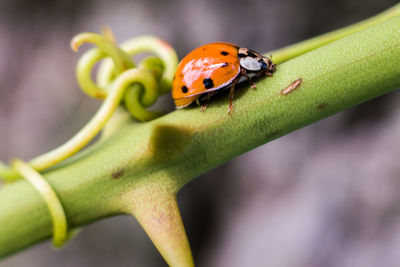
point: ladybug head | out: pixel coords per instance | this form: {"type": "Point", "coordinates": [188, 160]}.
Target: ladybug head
{"type": "Point", "coordinates": [252, 61]}
{"type": "Point", "coordinates": [268, 66]}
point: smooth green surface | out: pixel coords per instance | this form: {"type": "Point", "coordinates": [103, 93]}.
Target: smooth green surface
{"type": "Point", "coordinates": [174, 149]}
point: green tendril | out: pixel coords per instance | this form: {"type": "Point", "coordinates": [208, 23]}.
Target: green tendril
{"type": "Point", "coordinates": [106, 47]}
{"type": "Point", "coordinates": [134, 99]}
{"type": "Point", "coordinates": [94, 126]}
{"type": "Point", "coordinates": [145, 44]}
{"type": "Point", "coordinates": [58, 217]}
{"type": "Point", "coordinates": [137, 99]}
{"type": "Point", "coordinates": [122, 61]}
{"type": "Point", "coordinates": [106, 73]}
{"type": "Point", "coordinates": [83, 73]}
{"type": "Point", "coordinates": [118, 78]}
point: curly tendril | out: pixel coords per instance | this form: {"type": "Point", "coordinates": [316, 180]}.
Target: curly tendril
{"type": "Point", "coordinates": [134, 99]}
{"type": "Point", "coordinates": [144, 44]}
{"type": "Point", "coordinates": [83, 73]}
{"type": "Point", "coordinates": [118, 79]}
{"type": "Point", "coordinates": [122, 60]}
{"type": "Point", "coordinates": [94, 126]}
{"type": "Point", "coordinates": [60, 233]}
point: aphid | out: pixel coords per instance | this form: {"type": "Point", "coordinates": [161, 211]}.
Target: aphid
{"type": "Point", "coordinates": [213, 67]}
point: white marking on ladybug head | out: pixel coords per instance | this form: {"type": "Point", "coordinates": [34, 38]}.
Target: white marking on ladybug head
{"type": "Point", "coordinates": [250, 63]}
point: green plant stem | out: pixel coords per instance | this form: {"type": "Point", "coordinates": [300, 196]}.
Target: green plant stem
{"type": "Point", "coordinates": [292, 51]}
{"type": "Point", "coordinates": [180, 146]}
{"type": "Point", "coordinates": [152, 44]}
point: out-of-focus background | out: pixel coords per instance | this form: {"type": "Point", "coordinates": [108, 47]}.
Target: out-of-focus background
{"type": "Point", "coordinates": [326, 195]}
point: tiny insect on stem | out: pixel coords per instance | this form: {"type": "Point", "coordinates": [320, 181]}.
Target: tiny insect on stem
{"type": "Point", "coordinates": [293, 86]}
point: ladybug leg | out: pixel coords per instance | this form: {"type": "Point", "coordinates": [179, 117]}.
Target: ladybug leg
{"type": "Point", "coordinates": [231, 91]}
{"type": "Point", "coordinates": [207, 100]}
{"type": "Point", "coordinates": [252, 84]}
{"type": "Point", "coordinates": [269, 74]}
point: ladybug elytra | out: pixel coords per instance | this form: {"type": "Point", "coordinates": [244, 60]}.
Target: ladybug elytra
{"type": "Point", "coordinates": [213, 67]}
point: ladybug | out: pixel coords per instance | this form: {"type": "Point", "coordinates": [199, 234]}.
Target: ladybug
{"type": "Point", "coordinates": [213, 67]}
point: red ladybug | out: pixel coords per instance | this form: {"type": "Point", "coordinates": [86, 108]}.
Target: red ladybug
{"type": "Point", "coordinates": [213, 67]}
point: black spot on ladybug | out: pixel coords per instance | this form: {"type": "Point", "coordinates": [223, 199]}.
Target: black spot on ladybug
{"type": "Point", "coordinates": [208, 83]}
{"type": "Point", "coordinates": [224, 53]}
{"type": "Point", "coordinates": [224, 64]}
{"type": "Point", "coordinates": [184, 89]}
{"type": "Point", "coordinates": [241, 55]}
{"type": "Point", "coordinates": [251, 54]}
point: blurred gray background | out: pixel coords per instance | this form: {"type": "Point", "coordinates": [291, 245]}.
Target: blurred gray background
{"type": "Point", "coordinates": [326, 195]}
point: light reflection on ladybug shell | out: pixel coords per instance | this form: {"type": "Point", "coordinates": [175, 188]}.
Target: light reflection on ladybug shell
{"type": "Point", "coordinates": [207, 68]}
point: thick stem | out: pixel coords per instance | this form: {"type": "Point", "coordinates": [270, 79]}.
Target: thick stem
{"type": "Point", "coordinates": [292, 51]}
{"type": "Point", "coordinates": [149, 43]}
{"type": "Point", "coordinates": [186, 143]}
